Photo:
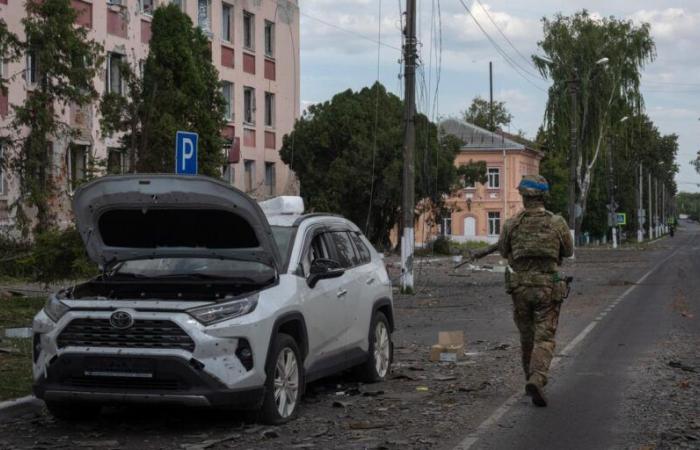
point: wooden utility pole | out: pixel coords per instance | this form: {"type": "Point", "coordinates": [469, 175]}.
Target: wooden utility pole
{"type": "Point", "coordinates": [493, 125]}
{"type": "Point", "coordinates": [409, 144]}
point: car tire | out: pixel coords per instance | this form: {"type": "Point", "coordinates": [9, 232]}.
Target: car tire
{"type": "Point", "coordinates": [74, 410]}
{"type": "Point", "coordinates": [285, 380]}
{"type": "Point", "coordinates": [381, 351]}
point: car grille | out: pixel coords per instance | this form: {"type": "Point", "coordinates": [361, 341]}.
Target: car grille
{"type": "Point", "coordinates": [124, 383]}
{"type": "Point", "coordinates": [143, 334]}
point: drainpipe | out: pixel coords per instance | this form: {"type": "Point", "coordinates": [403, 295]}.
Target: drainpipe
{"type": "Point", "coordinates": [505, 189]}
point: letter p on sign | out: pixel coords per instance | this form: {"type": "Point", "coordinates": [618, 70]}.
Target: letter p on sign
{"type": "Point", "coordinates": [186, 153]}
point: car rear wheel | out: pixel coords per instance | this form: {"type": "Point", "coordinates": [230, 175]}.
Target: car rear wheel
{"type": "Point", "coordinates": [284, 383]}
{"type": "Point", "coordinates": [377, 366]}
{"type": "Point", "coordinates": [73, 411]}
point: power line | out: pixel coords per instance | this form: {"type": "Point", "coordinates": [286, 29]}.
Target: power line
{"type": "Point", "coordinates": [354, 33]}
{"type": "Point", "coordinates": [513, 64]}
{"type": "Point", "coordinates": [527, 61]}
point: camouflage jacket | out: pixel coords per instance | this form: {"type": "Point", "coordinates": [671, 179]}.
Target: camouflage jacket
{"type": "Point", "coordinates": [535, 240]}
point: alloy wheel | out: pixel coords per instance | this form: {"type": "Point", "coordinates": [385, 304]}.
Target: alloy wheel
{"type": "Point", "coordinates": [286, 382]}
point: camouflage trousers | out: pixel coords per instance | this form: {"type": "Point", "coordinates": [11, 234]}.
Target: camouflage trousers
{"type": "Point", "coordinates": [536, 314]}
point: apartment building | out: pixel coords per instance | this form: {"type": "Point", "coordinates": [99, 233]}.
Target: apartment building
{"type": "Point", "coordinates": [478, 211]}
{"type": "Point", "coordinates": [255, 47]}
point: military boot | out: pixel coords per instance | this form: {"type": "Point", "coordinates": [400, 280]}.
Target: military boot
{"type": "Point", "coordinates": [535, 389]}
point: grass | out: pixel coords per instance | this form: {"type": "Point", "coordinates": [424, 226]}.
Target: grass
{"type": "Point", "coordinates": [16, 359]}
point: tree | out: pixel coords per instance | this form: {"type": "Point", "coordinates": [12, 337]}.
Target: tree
{"type": "Point", "coordinates": [575, 47]}
{"type": "Point", "coordinates": [180, 90]}
{"type": "Point", "coordinates": [64, 62]}
{"type": "Point", "coordinates": [472, 172]}
{"type": "Point", "coordinates": [337, 146]}
{"type": "Point", "coordinates": [481, 114]}
{"type": "Point", "coordinates": [10, 47]}
{"type": "Point", "coordinates": [696, 162]}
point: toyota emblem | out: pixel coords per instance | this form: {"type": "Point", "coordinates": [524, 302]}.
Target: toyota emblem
{"type": "Point", "coordinates": [121, 320]}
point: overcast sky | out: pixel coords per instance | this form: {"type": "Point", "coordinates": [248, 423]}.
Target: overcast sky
{"type": "Point", "coordinates": [339, 51]}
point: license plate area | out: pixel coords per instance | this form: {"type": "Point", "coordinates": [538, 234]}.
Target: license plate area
{"type": "Point", "coordinates": [118, 367]}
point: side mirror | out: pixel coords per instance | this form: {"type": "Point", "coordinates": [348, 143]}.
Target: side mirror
{"type": "Point", "coordinates": [322, 269]}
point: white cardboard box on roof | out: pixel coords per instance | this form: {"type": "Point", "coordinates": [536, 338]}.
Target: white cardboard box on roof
{"type": "Point", "coordinates": [285, 204]}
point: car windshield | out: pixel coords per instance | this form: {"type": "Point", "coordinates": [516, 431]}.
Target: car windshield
{"type": "Point", "coordinates": [239, 271]}
{"type": "Point", "coordinates": [283, 239]}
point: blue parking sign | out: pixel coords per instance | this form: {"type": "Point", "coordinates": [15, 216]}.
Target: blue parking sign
{"type": "Point", "coordinates": [186, 153]}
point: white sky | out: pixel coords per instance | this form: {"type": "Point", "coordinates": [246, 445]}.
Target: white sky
{"type": "Point", "coordinates": [333, 60]}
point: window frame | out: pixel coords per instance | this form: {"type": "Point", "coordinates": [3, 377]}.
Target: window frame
{"type": "Point", "coordinates": [354, 258]}
{"type": "Point", "coordinates": [231, 16]}
{"type": "Point", "coordinates": [122, 160]}
{"type": "Point", "coordinates": [108, 81]}
{"type": "Point", "coordinates": [71, 167]}
{"type": "Point", "coordinates": [270, 109]}
{"type": "Point", "coordinates": [491, 174]}
{"type": "Point", "coordinates": [248, 30]}
{"type": "Point", "coordinates": [249, 109]}
{"type": "Point", "coordinates": [142, 10]}
{"type": "Point", "coordinates": [356, 237]}
{"type": "Point", "coordinates": [492, 221]}
{"type": "Point", "coordinates": [269, 43]}
{"type": "Point", "coordinates": [2, 169]}
{"type": "Point", "coordinates": [206, 27]}
{"type": "Point", "coordinates": [31, 69]}
{"type": "Point", "coordinates": [446, 226]}
{"type": "Point", "coordinates": [271, 187]}
{"type": "Point", "coordinates": [229, 114]}
{"type": "Point", "coordinates": [248, 163]}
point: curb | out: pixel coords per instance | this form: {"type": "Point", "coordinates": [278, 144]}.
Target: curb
{"type": "Point", "coordinates": [19, 406]}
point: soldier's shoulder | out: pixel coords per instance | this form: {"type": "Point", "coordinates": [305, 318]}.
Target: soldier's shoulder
{"type": "Point", "coordinates": [556, 219]}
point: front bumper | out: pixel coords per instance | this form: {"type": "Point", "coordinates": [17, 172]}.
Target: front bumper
{"type": "Point", "coordinates": [170, 380]}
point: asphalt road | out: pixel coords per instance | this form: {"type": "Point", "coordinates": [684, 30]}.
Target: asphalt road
{"type": "Point", "coordinates": [596, 389]}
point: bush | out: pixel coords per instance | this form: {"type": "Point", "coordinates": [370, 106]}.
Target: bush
{"type": "Point", "coordinates": [441, 246]}
{"type": "Point", "coordinates": [55, 255]}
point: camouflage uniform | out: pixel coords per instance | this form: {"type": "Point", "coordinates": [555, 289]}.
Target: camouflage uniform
{"type": "Point", "coordinates": [535, 241]}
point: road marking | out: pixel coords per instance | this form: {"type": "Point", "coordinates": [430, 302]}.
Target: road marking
{"type": "Point", "coordinates": [474, 437]}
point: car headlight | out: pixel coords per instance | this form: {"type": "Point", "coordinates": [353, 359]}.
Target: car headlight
{"type": "Point", "coordinates": [223, 311]}
{"type": "Point", "coordinates": [54, 308]}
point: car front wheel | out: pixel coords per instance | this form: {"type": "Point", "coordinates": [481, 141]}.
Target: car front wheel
{"type": "Point", "coordinates": [283, 386]}
{"type": "Point", "coordinates": [380, 351]}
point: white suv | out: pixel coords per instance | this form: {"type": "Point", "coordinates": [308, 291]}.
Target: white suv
{"type": "Point", "coordinates": [207, 298]}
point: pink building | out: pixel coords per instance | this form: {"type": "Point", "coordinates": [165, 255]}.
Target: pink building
{"type": "Point", "coordinates": [255, 47]}
{"type": "Point", "coordinates": [479, 211]}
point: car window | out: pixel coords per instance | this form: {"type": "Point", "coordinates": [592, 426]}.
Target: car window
{"type": "Point", "coordinates": [283, 238]}
{"type": "Point", "coordinates": [343, 247]}
{"type": "Point", "coordinates": [363, 252]}
{"type": "Point", "coordinates": [316, 250]}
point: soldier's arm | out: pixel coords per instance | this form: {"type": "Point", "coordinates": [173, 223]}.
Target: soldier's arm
{"type": "Point", "coordinates": [504, 239]}
{"type": "Point", "coordinates": [567, 244]}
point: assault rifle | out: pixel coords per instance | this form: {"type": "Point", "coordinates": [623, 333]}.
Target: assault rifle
{"type": "Point", "coordinates": [478, 254]}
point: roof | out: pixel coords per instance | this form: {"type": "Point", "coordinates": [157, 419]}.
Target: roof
{"type": "Point", "coordinates": [477, 138]}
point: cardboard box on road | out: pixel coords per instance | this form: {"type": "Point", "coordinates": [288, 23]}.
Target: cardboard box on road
{"type": "Point", "coordinates": [450, 347]}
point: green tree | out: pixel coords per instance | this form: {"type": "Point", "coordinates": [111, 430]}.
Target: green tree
{"type": "Point", "coordinates": [10, 47]}
{"type": "Point", "coordinates": [696, 162]}
{"type": "Point", "coordinates": [481, 114]}
{"type": "Point", "coordinates": [472, 172]}
{"type": "Point", "coordinates": [604, 57]}
{"type": "Point", "coordinates": [64, 64]}
{"type": "Point", "coordinates": [337, 146]}
{"type": "Point", "coordinates": [180, 90]}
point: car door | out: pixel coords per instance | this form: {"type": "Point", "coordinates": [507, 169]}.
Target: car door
{"type": "Point", "coordinates": [352, 286]}
{"type": "Point", "coordinates": [368, 287]}
{"type": "Point", "coordinates": [323, 305]}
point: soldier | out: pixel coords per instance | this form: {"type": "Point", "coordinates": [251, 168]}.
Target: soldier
{"type": "Point", "coordinates": [535, 241]}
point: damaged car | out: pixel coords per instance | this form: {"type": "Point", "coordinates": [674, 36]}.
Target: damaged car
{"type": "Point", "coordinates": [207, 298]}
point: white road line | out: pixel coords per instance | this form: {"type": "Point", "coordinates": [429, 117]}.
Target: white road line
{"type": "Point", "coordinates": [473, 438]}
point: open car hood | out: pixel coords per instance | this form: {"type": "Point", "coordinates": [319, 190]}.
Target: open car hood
{"type": "Point", "coordinates": [129, 217]}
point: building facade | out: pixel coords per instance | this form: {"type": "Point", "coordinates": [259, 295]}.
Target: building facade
{"type": "Point", "coordinates": [479, 211]}
{"type": "Point", "coordinates": [255, 47]}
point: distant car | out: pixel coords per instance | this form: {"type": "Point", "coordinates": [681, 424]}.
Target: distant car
{"type": "Point", "coordinates": [207, 298]}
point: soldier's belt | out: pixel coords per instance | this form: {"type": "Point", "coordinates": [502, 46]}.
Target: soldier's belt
{"type": "Point", "coordinates": [534, 279]}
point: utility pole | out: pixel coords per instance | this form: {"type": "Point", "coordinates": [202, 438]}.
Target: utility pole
{"type": "Point", "coordinates": [640, 206]}
{"type": "Point", "coordinates": [612, 208]}
{"type": "Point", "coordinates": [656, 206]}
{"type": "Point", "coordinates": [573, 156]}
{"type": "Point", "coordinates": [663, 207]}
{"type": "Point", "coordinates": [651, 219]}
{"type": "Point", "coordinates": [493, 126]}
{"type": "Point", "coordinates": [409, 144]}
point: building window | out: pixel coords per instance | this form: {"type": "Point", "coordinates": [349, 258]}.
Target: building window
{"type": "Point", "coordinates": [227, 92]}
{"type": "Point", "coordinates": [115, 83]}
{"type": "Point", "coordinates": [226, 22]}
{"type": "Point", "coordinates": [179, 3]}
{"type": "Point", "coordinates": [249, 105]}
{"type": "Point", "coordinates": [248, 30]}
{"type": "Point", "coordinates": [270, 179]}
{"type": "Point", "coordinates": [32, 74]}
{"type": "Point", "coordinates": [249, 175]}
{"type": "Point", "coordinates": [3, 164]}
{"type": "Point", "coordinates": [446, 226]}
{"type": "Point", "coordinates": [116, 161]}
{"type": "Point", "coordinates": [146, 6]}
{"type": "Point", "coordinates": [114, 2]}
{"type": "Point", "coordinates": [77, 164]}
{"type": "Point", "coordinates": [269, 39]}
{"type": "Point", "coordinates": [204, 15]}
{"type": "Point", "coordinates": [2, 67]}
{"type": "Point", "coordinates": [229, 173]}
{"type": "Point", "coordinates": [494, 223]}
{"type": "Point", "coordinates": [269, 109]}
{"type": "Point", "coordinates": [494, 178]}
